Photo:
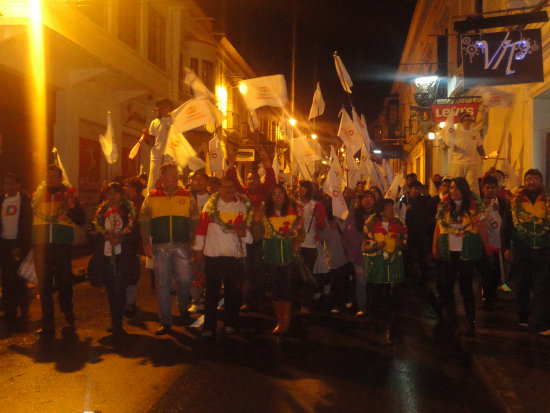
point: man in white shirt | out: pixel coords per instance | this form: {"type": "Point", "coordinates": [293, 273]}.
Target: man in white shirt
{"type": "Point", "coordinates": [220, 238]}
{"type": "Point", "coordinates": [15, 243]}
{"type": "Point", "coordinates": [467, 151]}
{"type": "Point", "coordinates": [157, 136]}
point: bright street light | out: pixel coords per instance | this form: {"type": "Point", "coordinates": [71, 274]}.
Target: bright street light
{"type": "Point", "coordinates": [292, 122]}
{"type": "Point", "coordinates": [431, 136]}
{"type": "Point", "coordinates": [313, 136]}
{"type": "Point", "coordinates": [441, 125]}
{"type": "Point", "coordinates": [377, 151]}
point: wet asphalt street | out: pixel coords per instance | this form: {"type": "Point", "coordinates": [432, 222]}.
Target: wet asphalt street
{"type": "Point", "coordinates": [328, 364]}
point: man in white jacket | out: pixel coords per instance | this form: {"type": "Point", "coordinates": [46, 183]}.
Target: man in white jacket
{"type": "Point", "coordinates": [220, 239]}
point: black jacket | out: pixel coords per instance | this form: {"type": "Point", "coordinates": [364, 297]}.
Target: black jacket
{"type": "Point", "coordinates": [24, 228]}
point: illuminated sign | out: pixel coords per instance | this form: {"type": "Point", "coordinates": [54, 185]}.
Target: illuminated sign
{"type": "Point", "coordinates": [441, 112]}
{"type": "Point", "coordinates": [502, 58]}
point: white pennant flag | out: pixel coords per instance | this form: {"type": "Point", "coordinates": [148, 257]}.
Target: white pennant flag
{"type": "Point", "coordinates": [361, 126]}
{"type": "Point", "coordinates": [305, 149]}
{"type": "Point", "coordinates": [352, 170]}
{"type": "Point", "coordinates": [448, 131]}
{"type": "Point", "coordinates": [493, 97]}
{"type": "Point", "coordinates": [178, 148]}
{"type": "Point", "coordinates": [349, 133]}
{"type": "Point", "coordinates": [216, 155]}
{"type": "Point", "coordinates": [196, 113]}
{"type": "Point", "coordinates": [394, 189]}
{"type": "Point", "coordinates": [264, 91]}
{"type": "Point", "coordinates": [195, 83]}
{"type": "Point", "coordinates": [318, 104]}
{"type": "Point", "coordinates": [368, 170]}
{"type": "Point", "coordinates": [59, 164]}
{"type": "Point", "coordinates": [345, 80]}
{"type": "Point", "coordinates": [253, 122]}
{"type": "Point", "coordinates": [276, 167]}
{"type": "Point", "coordinates": [335, 187]}
{"type": "Point", "coordinates": [107, 142]}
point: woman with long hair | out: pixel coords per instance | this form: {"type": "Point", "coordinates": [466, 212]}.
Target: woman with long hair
{"type": "Point", "coordinates": [283, 233]}
{"type": "Point", "coordinates": [458, 241]}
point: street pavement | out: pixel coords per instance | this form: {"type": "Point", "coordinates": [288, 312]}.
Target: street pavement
{"type": "Point", "coordinates": [328, 363]}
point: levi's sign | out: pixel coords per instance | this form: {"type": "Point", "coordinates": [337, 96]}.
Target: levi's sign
{"type": "Point", "coordinates": [502, 58]}
{"type": "Point", "coordinates": [441, 112]}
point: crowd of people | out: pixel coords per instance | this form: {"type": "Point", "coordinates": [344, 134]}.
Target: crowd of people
{"type": "Point", "coordinates": [269, 246]}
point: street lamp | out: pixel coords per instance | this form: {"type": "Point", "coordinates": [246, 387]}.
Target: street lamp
{"type": "Point", "coordinates": [292, 122]}
{"type": "Point", "coordinates": [313, 136]}
{"type": "Point", "coordinates": [431, 136]}
{"type": "Point", "coordinates": [377, 151]}
{"type": "Point", "coordinates": [426, 90]}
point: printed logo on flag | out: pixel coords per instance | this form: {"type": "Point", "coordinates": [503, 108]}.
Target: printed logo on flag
{"type": "Point", "coordinates": [335, 193]}
{"type": "Point", "coordinates": [264, 92]}
{"type": "Point", "coordinates": [11, 210]}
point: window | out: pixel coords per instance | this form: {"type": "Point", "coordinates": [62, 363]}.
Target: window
{"type": "Point", "coordinates": [95, 10]}
{"type": "Point", "coordinates": [157, 38]}
{"type": "Point", "coordinates": [208, 74]}
{"type": "Point", "coordinates": [128, 22]}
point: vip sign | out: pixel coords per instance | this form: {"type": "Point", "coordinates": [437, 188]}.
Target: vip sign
{"type": "Point", "coordinates": [441, 112]}
{"type": "Point", "coordinates": [502, 58]}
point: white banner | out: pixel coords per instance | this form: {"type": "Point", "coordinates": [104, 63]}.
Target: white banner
{"type": "Point", "coordinates": [264, 91]}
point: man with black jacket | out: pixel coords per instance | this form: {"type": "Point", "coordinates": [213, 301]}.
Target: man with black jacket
{"type": "Point", "coordinates": [15, 243]}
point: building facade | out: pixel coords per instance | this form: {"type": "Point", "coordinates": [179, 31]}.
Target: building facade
{"type": "Point", "coordinates": [519, 131]}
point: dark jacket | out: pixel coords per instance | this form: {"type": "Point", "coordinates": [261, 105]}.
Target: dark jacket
{"type": "Point", "coordinates": [24, 229]}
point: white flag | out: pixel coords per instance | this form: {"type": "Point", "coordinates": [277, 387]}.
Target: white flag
{"type": "Point", "coordinates": [276, 167]}
{"type": "Point", "coordinates": [195, 113]}
{"type": "Point", "coordinates": [318, 104]}
{"type": "Point", "coordinates": [107, 142]}
{"type": "Point", "coordinates": [349, 133]}
{"type": "Point", "coordinates": [352, 170]}
{"type": "Point", "coordinates": [512, 179]}
{"type": "Point", "coordinates": [253, 122]}
{"type": "Point", "coordinates": [199, 89]}
{"type": "Point", "coordinates": [361, 126]}
{"type": "Point", "coordinates": [216, 155]}
{"type": "Point", "coordinates": [305, 149]}
{"type": "Point", "coordinates": [369, 171]}
{"type": "Point", "coordinates": [264, 91]}
{"type": "Point", "coordinates": [59, 164]}
{"type": "Point", "coordinates": [432, 188]}
{"type": "Point", "coordinates": [448, 131]}
{"type": "Point", "coordinates": [195, 163]}
{"type": "Point", "coordinates": [389, 173]}
{"type": "Point", "coordinates": [345, 80]}
{"type": "Point", "coordinates": [335, 187]}
{"type": "Point", "coordinates": [394, 188]}
{"type": "Point", "coordinates": [178, 148]}
{"type": "Point", "coordinates": [495, 97]}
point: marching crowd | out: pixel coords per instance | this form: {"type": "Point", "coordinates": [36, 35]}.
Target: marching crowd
{"type": "Point", "coordinates": [279, 247]}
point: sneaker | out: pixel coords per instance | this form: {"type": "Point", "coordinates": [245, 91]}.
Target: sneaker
{"type": "Point", "coordinates": [207, 334]}
{"type": "Point", "coordinates": [228, 330]}
{"type": "Point", "coordinates": [360, 314]}
{"type": "Point", "coordinates": [193, 309]}
{"type": "Point", "coordinates": [164, 329]}
{"type": "Point", "coordinates": [335, 310]}
{"type": "Point", "coordinates": [545, 333]}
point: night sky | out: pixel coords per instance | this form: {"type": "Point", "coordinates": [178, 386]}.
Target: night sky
{"type": "Point", "coordinates": [368, 34]}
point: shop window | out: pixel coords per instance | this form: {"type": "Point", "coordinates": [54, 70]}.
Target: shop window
{"type": "Point", "coordinates": [156, 45]}
{"type": "Point", "coordinates": [95, 10]}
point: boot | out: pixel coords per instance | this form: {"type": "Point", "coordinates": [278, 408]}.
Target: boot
{"type": "Point", "coordinates": [277, 309]}
{"type": "Point", "coordinates": [286, 313]}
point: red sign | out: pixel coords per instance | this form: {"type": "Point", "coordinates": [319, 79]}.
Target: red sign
{"type": "Point", "coordinates": [441, 112]}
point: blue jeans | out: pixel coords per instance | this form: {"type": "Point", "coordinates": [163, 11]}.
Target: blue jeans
{"type": "Point", "coordinates": [172, 263]}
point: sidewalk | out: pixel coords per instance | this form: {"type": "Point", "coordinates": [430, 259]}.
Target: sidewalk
{"type": "Point", "coordinates": [513, 362]}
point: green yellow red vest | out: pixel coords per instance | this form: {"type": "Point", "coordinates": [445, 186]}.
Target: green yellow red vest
{"type": "Point", "coordinates": [170, 216]}
{"type": "Point", "coordinates": [51, 225]}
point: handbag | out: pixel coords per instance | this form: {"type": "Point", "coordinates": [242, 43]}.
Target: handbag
{"type": "Point", "coordinates": [27, 270]}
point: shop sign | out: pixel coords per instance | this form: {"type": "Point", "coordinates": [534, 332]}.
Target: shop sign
{"type": "Point", "coordinates": [441, 112]}
{"type": "Point", "coordinates": [502, 58]}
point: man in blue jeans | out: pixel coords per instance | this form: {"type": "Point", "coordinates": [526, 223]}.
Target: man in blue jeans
{"type": "Point", "coordinates": [167, 219]}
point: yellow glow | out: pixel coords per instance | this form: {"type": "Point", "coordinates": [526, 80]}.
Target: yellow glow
{"type": "Point", "coordinates": [441, 124]}
{"type": "Point", "coordinates": [242, 88]}
{"type": "Point", "coordinates": [37, 91]}
{"type": "Point", "coordinates": [314, 136]}
{"type": "Point", "coordinates": [292, 122]}
{"type": "Point", "coordinates": [342, 149]}
{"type": "Point", "coordinates": [431, 136]}
{"type": "Point", "coordinates": [221, 96]}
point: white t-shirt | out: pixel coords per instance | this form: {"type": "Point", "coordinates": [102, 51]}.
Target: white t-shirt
{"type": "Point", "coordinates": [310, 240]}
{"type": "Point", "coordinates": [464, 146]}
{"type": "Point", "coordinates": [10, 216]}
{"type": "Point", "coordinates": [159, 128]}
{"type": "Point", "coordinates": [202, 199]}
{"type": "Point", "coordinates": [455, 241]}
{"type": "Point", "coordinates": [493, 222]}
{"type": "Point", "coordinates": [113, 222]}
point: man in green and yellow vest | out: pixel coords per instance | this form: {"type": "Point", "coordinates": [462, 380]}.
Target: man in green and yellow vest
{"type": "Point", "coordinates": [526, 241]}
{"type": "Point", "coordinates": [56, 212]}
{"type": "Point", "coordinates": [168, 218]}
